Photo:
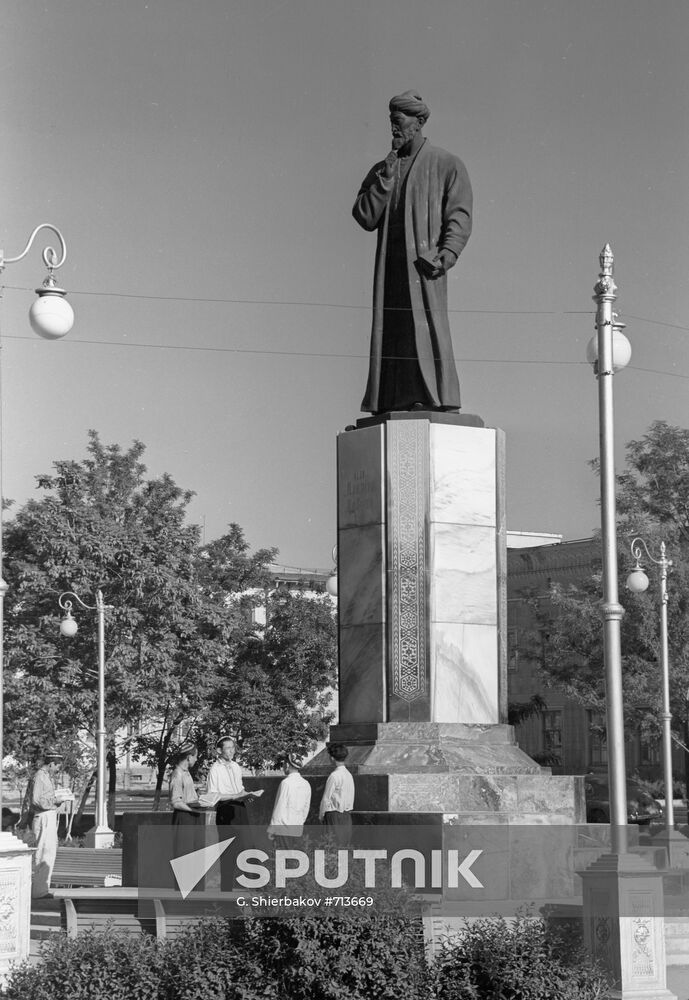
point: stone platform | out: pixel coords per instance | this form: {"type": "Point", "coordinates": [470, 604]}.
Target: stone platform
{"type": "Point", "coordinates": [474, 772]}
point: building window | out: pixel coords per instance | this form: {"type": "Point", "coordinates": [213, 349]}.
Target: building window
{"type": "Point", "coordinates": [649, 752]}
{"type": "Point", "coordinates": [597, 743]}
{"type": "Point", "coordinates": [552, 733]}
{"type": "Point", "coordinates": [512, 649]}
{"type": "Point", "coordinates": [543, 640]}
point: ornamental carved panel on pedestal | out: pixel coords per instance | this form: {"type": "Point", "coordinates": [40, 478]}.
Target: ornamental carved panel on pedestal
{"type": "Point", "coordinates": [644, 964]}
{"type": "Point", "coordinates": [408, 477]}
{"type": "Point", "coordinates": [9, 922]}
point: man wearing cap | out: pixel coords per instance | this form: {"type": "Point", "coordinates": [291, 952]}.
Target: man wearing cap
{"type": "Point", "coordinates": [419, 200]}
{"type": "Point", "coordinates": [43, 806]}
{"type": "Point", "coordinates": [291, 807]}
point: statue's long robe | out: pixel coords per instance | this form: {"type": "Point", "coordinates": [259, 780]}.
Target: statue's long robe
{"type": "Point", "coordinates": [437, 216]}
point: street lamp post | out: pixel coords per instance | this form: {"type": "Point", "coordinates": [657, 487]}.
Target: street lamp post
{"type": "Point", "coordinates": [101, 835]}
{"type": "Point", "coordinates": [51, 317]}
{"type": "Point", "coordinates": [686, 745]}
{"type": "Point", "coordinates": [609, 352]}
{"type": "Point", "coordinates": [618, 885]}
{"type": "Point", "coordinates": [675, 843]}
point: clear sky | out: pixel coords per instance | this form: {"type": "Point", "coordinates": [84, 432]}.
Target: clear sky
{"type": "Point", "coordinates": [202, 158]}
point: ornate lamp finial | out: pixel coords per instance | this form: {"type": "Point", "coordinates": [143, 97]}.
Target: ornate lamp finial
{"type": "Point", "coordinates": [605, 287]}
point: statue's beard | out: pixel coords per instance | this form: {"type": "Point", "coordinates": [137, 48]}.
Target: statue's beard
{"type": "Point", "coordinates": [403, 137]}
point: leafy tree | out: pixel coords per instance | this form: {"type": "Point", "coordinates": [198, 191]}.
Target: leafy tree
{"type": "Point", "coordinates": [652, 502]}
{"type": "Point", "coordinates": [226, 567]}
{"type": "Point", "coordinates": [183, 655]}
{"type": "Point", "coordinates": [279, 695]}
{"type": "Point", "coordinates": [103, 525]}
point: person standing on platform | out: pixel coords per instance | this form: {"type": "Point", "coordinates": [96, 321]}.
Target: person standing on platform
{"type": "Point", "coordinates": [43, 808]}
{"type": "Point", "coordinates": [338, 798]}
{"type": "Point", "coordinates": [291, 807]}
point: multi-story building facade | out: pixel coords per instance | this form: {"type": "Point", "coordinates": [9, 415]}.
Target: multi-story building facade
{"type": "Point", "coordinates": [567, 733]}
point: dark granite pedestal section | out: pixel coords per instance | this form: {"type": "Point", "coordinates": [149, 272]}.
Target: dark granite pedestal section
{"type": "Point", "coordinates": [428, 748]}
{"type": "Point", "coordinates": [474, 772]}
{"type": "Point", "coordinates": [435, 417]}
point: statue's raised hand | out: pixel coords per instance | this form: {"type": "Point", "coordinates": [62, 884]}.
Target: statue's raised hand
{"type": "Point", "coordinates": [390, 163]}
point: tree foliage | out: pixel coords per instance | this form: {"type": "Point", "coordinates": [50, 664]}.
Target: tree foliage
{"type": "Point", "coordinates": [279, 696]}
{"type": "Point", "coordinates": [182, 652]}
{"type": "Point", "coordinates": [652, 503]}
{"type": "Point", "coordinates": [102, 525]}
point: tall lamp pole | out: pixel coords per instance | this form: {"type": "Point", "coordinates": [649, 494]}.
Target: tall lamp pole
{"type": "Point", "coordinates": [686, 745]}
{"type": "Point", "coordinates": [637, 582]}
{"type": "Point", "coordinates": [101, 835]}
{"type": "Point", "coordinates": [610, 351]}
{"type": "Point", "coordinates": [51, 317]}
{"type": "Point", "coordinates": [622, 896]}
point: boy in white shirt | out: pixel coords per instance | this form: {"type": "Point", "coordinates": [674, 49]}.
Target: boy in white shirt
{"type": "Point", "coordinates": [291, 807]}
{"type": "Point", "coordinates": [225, 779]}
{"type": "Point", "coordinates": [338, 798]}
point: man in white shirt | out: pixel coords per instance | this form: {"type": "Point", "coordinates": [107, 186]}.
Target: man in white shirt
{"type": "Point", "coordinates": [338, 798]}
{"type": "Point", "coordinates": [225, 779]}
{"type": "Point", "coordinates": [291, 807]}
{"type": "Point", "coordinates": [43, 808]}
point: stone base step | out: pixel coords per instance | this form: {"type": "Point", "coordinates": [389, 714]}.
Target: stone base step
{"type": "Point", "coordinates": [42, 918]}
{"type": "Point", "coordinates": [46, 922]}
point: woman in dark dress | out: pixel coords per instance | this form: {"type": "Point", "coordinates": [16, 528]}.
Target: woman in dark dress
{"type": "Point", "coordinates": [187, 818]}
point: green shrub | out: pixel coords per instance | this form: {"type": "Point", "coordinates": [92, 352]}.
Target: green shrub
{"type": "Point", "coordinates": [213, 962]}
{"type": "Point", "coordinates": [656, 787]}
{"type": "Point", "coordinates": [322, 955]}
{"type": "Point", "coordinates": [331, 956]}
{"type": "Point", "coordinates": [92, 967]}
{"type": "Point", "coordinates": [522, 959]}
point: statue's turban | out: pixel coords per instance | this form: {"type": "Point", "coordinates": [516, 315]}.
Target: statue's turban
{"type": "Point", "coordinates": [410, 103]}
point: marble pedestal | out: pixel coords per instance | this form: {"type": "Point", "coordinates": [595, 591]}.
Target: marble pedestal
{"type": "Point", "coordinates": [15, 901]}
{"type": "Point", "coordinates": [422, 616]}
{"type": "Point", "coordinates": [421, 570]}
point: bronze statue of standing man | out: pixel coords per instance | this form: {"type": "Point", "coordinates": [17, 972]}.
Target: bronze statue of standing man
{"type": "Point", "coordinates": [419, 200]}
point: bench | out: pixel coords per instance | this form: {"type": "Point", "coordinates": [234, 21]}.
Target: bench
{"type": "Point", "coordinates": [125, 910]}
{"type": "Point", "coordinates": [87, 866]}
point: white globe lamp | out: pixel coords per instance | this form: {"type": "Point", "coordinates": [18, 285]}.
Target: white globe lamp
{"type": "Point", "coordinates": [637, 581]}
{"type": "Point", "coordinates": [68, 627]}
{"type": "Point", "coordinates": [51, 316]}
{"type": "Point", "coordinates": [621, 348]}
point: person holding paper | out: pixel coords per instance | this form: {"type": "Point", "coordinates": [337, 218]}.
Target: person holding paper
{"type": "Point", "coordinates": [43, 813]}
{"type": "Point", "coordinates": [225, 781]}
{"type": "Point", "coordinates": [187, 818]}
{"type": "Point", "coordinates": [291, 806]}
